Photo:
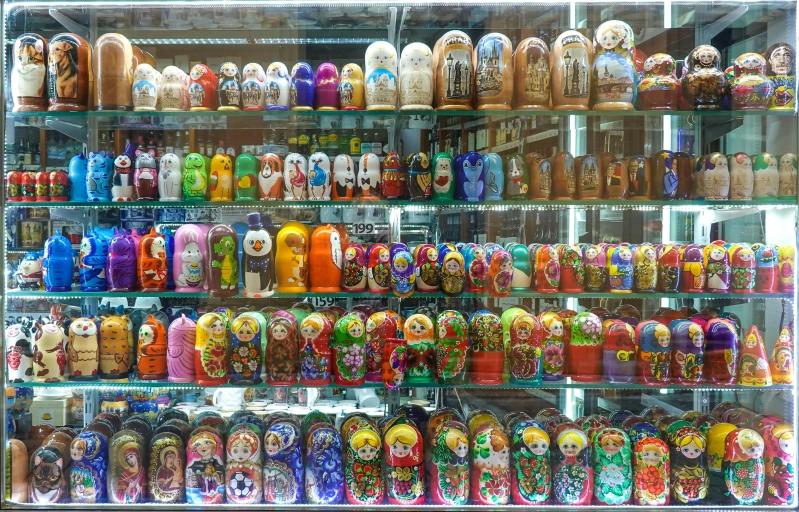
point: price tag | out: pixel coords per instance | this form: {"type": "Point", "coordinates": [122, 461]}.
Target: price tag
{"type": "Point", "coordinates": [323, 302]}
{"type": "Point", "coordinates": [363, 228]}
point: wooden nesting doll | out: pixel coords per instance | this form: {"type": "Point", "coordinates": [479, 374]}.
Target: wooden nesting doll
{"type": "Point", "coordinates": [380, 326]}
{"type": "Point", "coordinates": [253, 87]}
{"type": "Point", "coordinates": [355, 270]}
{"type": "Point", "coordinates": [419, 177]}
{"type": "Point", "coordinates": [469, 177]}
{"type": "Point", "coordinates": [704, 85]}
{"type": "Point", "coordinates": [205, 468]}
{"type": "Point", "coordinates": [363, 458]}
{"type": "Point", "coordinates": [220, 179]}
{"type": "Point", "coordinates": [443, 179]}
{"type": "Point", "coordinates": [614, 73]}
{"type": "Point", "coordinates": [687, 352]}
{"type": "Point", "coordinates": [48, 468]}
{"type": "Point", "coordinates": [779, 457]}
{"type": "Point", "coordinates": [540, 176]}
{"type": "Point", "coordinates": [500, 274]}
{"type": "Point", "coordinates": [645, 270]}
{"type": "Point", "coordinates": [786, 257]}
{"type": "Point", "coordinates": [282, 464]}
{"type": "Point", "coordinates": [301, 89]}
{"type": "Point", "coordinates": [530, 449]}
{"type": "Point", "coordinates": [166, 470]}
{"type": "Point", "coordinates": [318, 177]}
{"type": "Point", "coordinates": [742, 177]}
{"type": "Point", "coordinates": [87, 471]}
{"type": "Point", "coordinates": [403, 275]}
{"type": "Point", "coordinates": [69, 73]}
{"type": "Point", "coordinates": [379, 269]}
{"type": "Point", "coordinates": [229, 87]}
{"type": "Point", "coordinates": [368, 179]}
{"type": "Point", "coordinates": [395, 360]}
{"type": "Point", "coordinates": [613, 475]}
{"type": "Point", "coordinates": [717, 267]}
{"type": "Point", "coordinates": [743, 268]}
{"type": "Point", "coordinates": [145, 178]}
{"type": "Point", "coordinates": [547, 269]}
{"type": "Point", "coordinates": [325, 266]}
{"type": "Point", "coordinates": [98, 178]}
{"type": "Point", "coordinates": [243, 466]}
{"type": "Point", "coordinates": [281, 357]}
{"type": "Point", "coordinates": [620, 268]}
{"type": "Point", "coordinates": [420, 338]}
{"type": "Point", "coordinates": [688, 473]}
{"type": "Point", "coordinates": [427, 268]}
{"type": "Point", "coordinates": [315, 332]}
{"type": "Point", "coordinates": [526, 336]}
{"type": "Point", "coordinates": [57, 264]}
{"type": "Point", "coordinates": [753, 367]}
{"type": "Point", "coordinates": [564, 179]}
{"type": "Point", "coordinates": [517, 181]}
{"type": "Point", "coordinates": [91, 264]}
{"type": "Point", "coordinates": [326, 87]}
{"type": "Point", "coordinates": [276, 87]}
{"type": "Point", "coordinates": [721, 352]}
{"type": "Point", "coordinates": [245, 178]}
{"type": "Point", "coordinates": [532, 75]}
{"type": "Point", "coordinates": [570, 61]}
{"type": "Point", "coordinates": [490, 462]}
{"type": "Point", "coordinates": [188, 267]}
{"type": "Point", "coordinates": [488, 351]}
{"type": "Point", "coordinates": [222, 248]}
{"type": "Point", "coordinates": [787, 176]}
{"type": "Point", "coordinates": [202, 88]}
{"type": "Point", "coordinates": [659, 88]}
{"type": "Point", "coordinates": [404, 460]}
{"type": "Point", "coordinates": [181, 340]}
{"type": "Point", "coordinates": [744, 471]}
{"type": "Point", "coordinates": [665, 178]}
{"type": "Point", "coordinates": [174, 90]}
{"type": "Point", "coordinates": [668, 268]}
{"type": "Point", "coordinates": [270, 178]}
{"type": "Point", "coordinates": [450, 453]}
{"type": "Point", "coordinates": [19, 354]}
{"type": "Point", "coordinates": [146, 88]}
{"type": "Point", "coordinates": [127, 471]}
{"type": "Point", "coordinates": [112, 67]}
{"type": "Point", "coordinates": [750, 89]}
{"type": "Point", "coordinates": [210, 352]}
{"type": "Point", "coordinates": [717, 177]}
{"type": "Point", "coordinates": [572, 475]}
{"type": "Point", "coordinates": [585, 348]}
{"type": "Point", "coordinates": [618, 354]}
{"type": "Point", "coordinates": [589, 182]}
{"type": "Point", "coordinates": [152, 266]}
{"type": "Point", "coordinates": [394, 177]}
{"type": "Point", "coordinates": [572, 269]}
{"type": "Point", "coordinates": [170, 178]}
{"type": "Point", "coordinates": [492, 61]}
{"type": "Point", "coordinates": [454, 72]}
{"type": "Point", "coordinates": [152, 350]}
{"type": "Point", "coordinates": [349, 347]}
{"type": "Point", "coordinates": [82, 350]}
{"type": "Point", "coordinates": [781, 363]}
{"type": "Point", "coordinates": [248, 334]}
{"type": "Point", "coordinates": [195, 177]}
{"type": "Point", "coordinates": [343, 179]}
{"type": "Point", "coordinates": [522, 268]}
{"type": "Point", "coordinates": [781, 70]}
{"type": "Point", "coordinates": [767, 177]}
{"type": "Point", "coordinates": [452, 345]}
{"type": "Point", "coordinates": [596, 271]}
{"type": "Point", "coordinates": [116, 347]}
{"type": "Point", "coordinates": [453, 273]}
{"type": "Point", "coordinates": [693, 269]}
{"type": "Point", "coordinates": [416, 84]}
{"type": "Point", "coordinates": [476, 264]}
{"type": "Point", "coordinates": [651, 470]}
{"type": "Point", "coordinates": [351, 87]}
{"type": "Point", "coordinates": [654, 353]}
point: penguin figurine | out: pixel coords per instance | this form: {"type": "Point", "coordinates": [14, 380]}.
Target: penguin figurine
{"type": "Point", "coordinates": [319, 177]}
{"type": "Point", "coordinates": [419, 177]}
{"type": "Point", "coordinates": [343, 178]}
{"type": "Point", "coordinates": [257, 259]}
{"type": "Point", "coordinates": [369, 177]}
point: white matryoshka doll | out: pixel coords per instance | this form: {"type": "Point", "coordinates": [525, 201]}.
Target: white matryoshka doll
{"type": "Point", "coordinates": [381, 76]}
{"type": "Point", "coordinates": [742, 179]}
{"type": "Point", "coordinates": [787, 174]}
{"type": "Point", "coordinates": [253, 87]}
{"type": "Point", "coordinates": [277, 87]}
{"type": "Point", "coordinates": [416, 77]}
{"type": "Point", "coordinates": [146, 85]}
{"type": "Point", "coordinates": [295, 171]}
{"type": "Point", "coordinates": [174, 89]}
{"type": "Point", "coordinates": [243, 472]}
{"type": "Point", "coordinates": [717, 177]}
{"type": "Point", "coordinates": [767, 176]}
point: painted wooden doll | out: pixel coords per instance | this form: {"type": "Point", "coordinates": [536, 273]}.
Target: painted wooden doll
{"type": "Point", "coordinates": [318, 177]}
{"type": "Point", "coordinates": [547, 264]}
{"type": "Point", "coordinates": [270, 178]}
{"type": "Point", "coordinates": [195, 177]}
{"type": "Point", "coordinates": [693, 269]}
{"type": "Point", "coordinates": [596, 271]}
{"type": "Point", "coordinates": [29, 73]}
{"type": "Point", "coordinates": [419, 177]}
{"type": "Point", "coordinates": [174, 90]}
{"type": "Point", "coordinates": [717, 267]}
{"type": "Point", "coordinates": [152, 266]}
{"type": "Point", "coordinates": [688, 473]}
{"type": "Point", "coordinates": [703, 83]}
{"type": "Point", "coordinates": [450, 450]}
{"type": "Point", "coordinates": [721, 352]}
{"type": "Point", "coordinates": [779, 456]}
{"type": "Point", "coordinates": [645, 270]}
{"type": "Point", "coordinates": [349, 349]}
{"type": "Point", "coordinates": [145, 178]}
{"type": "Point", "coordinates": [394, 363]}
{"type": "Point", "coordinates": [469, 178]}
{"type": "Point", "coordinates": [315, 354]}
{"type": "Point", "coordinates": [351, 87]}
{"type": "Point", "coordinates": [781, 70]}
{"type": "Point", "coordinates": [379, 269]}
{"type": "Point", "coordinates": [494, 177]}
{"type": "Point", "coordinates": [687, 352]}
{"type": "Point", "coordinates": [223, 261]}
{"type": "Point", "coordinates": [476, 262]}
{"type": "Point", "coordinates": [571, 268]}
{"type": "Point", "coordinates": [295, 180]}
{"type": "Point", "coordinates": [281, 356]}
{"type": "Point", "coordinates": [253, 90]}
{"type": "Point", "coordinates": [620, 269]}
{"type": "Point", "coordinates": [553, 348]}
{"type": "Point", "coordinates": [651, 470]}
{"type": "Point", "coordinates": [488, 353]}
{"type": "Point", "coordinates": [767, 176]}
{"type": "Point", "coordinates": [48, 469]}
{"type": "Point", "coordinates": [326, 260]}
{"type": "Point", "coordinates": [243, 466]}
{"type": "Point", "coordinates": [666, 180]}
{"type": "Point", "coordinates": [427, 268]}
{"type": "Point", "coordinates": [380, 326]}
{"type": "Point", "coordinates": [205, 468]}
{"type": "Point", "coordinates": [639, 178]}
{"type": "Point", "coordinates": [781, 363]}
{"type": "Point", "coordinates": [248, 334]}
{"type": "Point", "coordinates": [166, 470]}
{"type": "Point", "coordinates": [394, 176]}
{"type": "Point", "coordinates": [69, 75]}
{"type": "Point", "coordinates": [717, 178]}
{"type": "Point", "coordinates": [743, 269]}
{"type": "Point", "coordinates": [91, 264]}
{"type": "Point", "coordinates": [220, 179]}
{"type": "Point", "coordinates": [613, 475]}
{"type": "Point", "coordinates": [405, 475]}
{"type": "Point", "coordinates": [500, 274]}
{"type": "Point", "coordinates": [98, 178]}
{"type": "Point", "coordinates": [614, 73]}
{"type": "Point", "coordinates": [744, 472]}
{"type": "Point", "coordinates": [112, 67]}
{"type": "Point", "coordinates": [454, 72]}
{"type": "Point", "coordinates": [526, 336]}
{"type": "Point", "coordinates": [742, 177]}
{"type": "Point", "coordinates": [786, 257]}
{"type": "Point", "coordinates": [492, 61]}
{"type": "Point", "coordinates": [127, 472]}
{"type": "Point", "coordinates": [572, 475]}
{"type": "Point", "coordinates": [403, 276]}
{"type": "Point", "coordinates": [152, 350]}
{"type": "Point", "coordinates": [116, 347]}
{"type": "Point", "coordinates": [589, 183]}
{"type": "Point", "coordinates": [618, 354]}
{"type": "Point", "coordinates": [283, 465]}
{"type": "Point", "coordinates": [146, 88]}
{"type": "Point", "coordinates": [203, 84]}
{"type": "Point", "coordinates": [344, 179]}
{"type": "Point", "coordinates": [188, 267]}
{"type": "Point", "coordinates": [753, 367]}
{"type": "Point", "coordinates": [229, 87]}
{"type": "Point", "coordinates": [87, 472]}
{"type": "Point", "coordinates": [19, 354]}
{"type": "Point", "coordinates": [787, 176]}
{"type": "Point", "coordinates": [416, 84]}
{"type": "Point", "coordinates": [522, 268]}
{"type": "Point", "coordinates": [324, 475]}
{"type": "Point", "coordinates": [654, 353]}
{"type": "Point", "coordinates": [516, 179]}
{"type": "Point", "coordinates": [443, 178]}
{"type": "Point", "coordinates": [181, 340]}
{"type": "Point", "coordinates": [668, 267]}
{"type": "Point", "coordinates": [363, 458]}
{"type": "Point", "coordinates": [490, 462]}
{"type": "Point", "coordinates": [354, 274]}
{"type": "Point", "coordinates": [585, 348]}
{"type": "Point", "coordinates": [170, 178]}
{"type": "Point", "coordinates": [82, 350]}
{"type": "Point", "coordinates": [452, 345]}
{"type": "Point", "coordinates": [326, 87]}
{"type": "Point", "coordinates": [531, 478]}
{"type": "Point", "coordinates": [257, 259]}
{"type": "Point", "coordinates": [368, 179]}
{"type": "Point", "coordinates": [750, 89]}
{"type": "Point", "coordinates": [659, 89]}
{"type": "Point", "coordinates": [420, 338]}
{"type": "Point", "coordinates": [382, 84]}
{"type": "Point", "coordinates": [453, 273]}
{"type": "Point", "coordinates": [570, 62]}
{"type": "Point", "coordinates": [210, 353]}
{"type": "Point", "coordinates": [532, 75]}
{"type": "Point", "coordinates": [302, 87]}
{"type": "Point", "coordinates": [276, 87]}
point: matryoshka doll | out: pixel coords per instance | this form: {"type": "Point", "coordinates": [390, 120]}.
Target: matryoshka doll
{"type": "Point", "coordinates": [753, 367]}
{"type": "Point", "coordinates": [717, 267]}
{"type": "Point", "coordinates": [651, 471]}
{"type": "Point", "coordinates": [167, 464]}
{"type": "Point", "coordinates": [654, 352]}
{"type": "Point", "coordinates": [589, 183]}
{"type": "Point", "coordinates": [572, 475]}
{"type": "Point", "coordinates": [354, 275]}
{"type": "Point", "coordinates": [146, 88]}
{"type": "Point", "coordinates": [326, 88]}
{"type": "Point", "coordinates": [721, 352]}
{"type": "Point", "coordinates": [742, 178]}
{"type": "Point", "coordinates": [19, 354]}
{"type": "Point", "coordinates": [152, 350]}
{"type": "Point", "coordinates": [343, 178]}
{"type": "Point", "coordinates": [181, 340]}
{"type": "Point", "coordinates": [403, 276]}
{"type": "Point", "coordinates": [488, 350]}
{"type": "Point", "coordinates": [222, 265]}
{"type": "Point", "coordinates": [522, 267]}
{"type": "Point", "coordinates": [394, 363]}
{"type": "Point", "coordinates": [49, 358]}
{"type": "Point", "coordinates": [420, 338]}
{"type": "Point", "coordinates": [704, 85]}
{"type": "Point", "coordinates": [750, 89]}
{"type": "Point", "coordinates": [281, 356]}
{"type": "Point", "coordinates": [245, 178]}
{"type": "Point", "coordinates": [666, 180]}
{"type": "Point", "coordinates": [475, 260]}
{"type": "Point", "coordinates": [368, 178]}
{"type": "Point", "coordinates": [744, 472]}
{"type": "Point", "coordinates": [195, 177]}
{"type": "Point", "coordinates": [693, 269]}
{"type": "Point", "coordinates": [687, 352]}
{"type": "Point", "coordinates": [786, 255]}
{"type": "Point", "coordinates": [540, 176]}
{"type": "Point", "coordinates": [325, 260]}
{"type": "Point", "coordinates": [767, 177]}
{"type": "Point", "coordinates": [318, 177]}
{"type": "Point", "coordinates": [781, 70]}
{"type": "Point", "coordinates": [127, 471]}
{"type": "Point", "coordinates": [531, 476]}
{"type": "Point", "coordinates": [779, 458]}
{"type": "Point", "coordinates": [553, 347]}
{"type": "Point", "coordinates": [416, 84]}
{"type": "Point", "coordinates": [639, 178]}
{"type": "Point", "coordinates": [220, 179]}
{"type": "Point", "coordinates": [450, 454]}
{"type": "Point", "coordinates": [69, 74]}
{"type": "Point", "coordinates": [787, 176]}
{"type": "Point", "coordinates": [494, 177]}
{"type": "Point", "coordinates": [379, 269]}
{"type": "Point", "coordinates": [188, 269]}
{"type": "Point", "coordinates": [469, 177]}
{"type": "Point", "coordinates": [253, 90]}
{"type": "Point", "coordinates": [743, 269]}
{"type": "Point", "coordinates": [454, 72]}
{"type": "Point", "coordinates": [781, 364]}
{"type": "Point", "coordinates": [490, 462]}
{"type": "Point", "coordinates": [283, 463]}
{"type": "Point", "coordinates": [585, 348]}
{"type": "Point", "coordinates": [668, 268]}
{"type": "Point", "coordinates": [174, 90]}
{"type": "Point", "coordinates": [211, 349]}
{"type": "Point", "coordinates": [349, 347]}
{"type": "Point", "coordinates": [29, 73]}
{"type": "Point", "coordinates": [443, 178]}
{"type": "Point", "coordinates": [570, 62]}
{"type": "Point", "coordinates": [116, 348]}
{"type": "Point", "coordinates": [614, 73]}
{"type": "Point", "coordinates": [301, 89]}
{"type": "Point", "coordinates": [517, 183]}
{"type": "Point", "coordinates": [202, 88]}
{"type": "Point", "coordinates": [500, 273]}
{"type": "Point", "coordinates": [152, 265]}
{"type": "Point", "coordinates": [618, 354]}
{"type": "Point", "coordinates": [170, 178]}
{"type": "Point", "coordinates": [613, 475]}
{"type": "Point", "coordinates": [526, 336]}
{"type": "Point", "coordinates": [315, 354]}
{"type": "Point", "coordinates": [205, 468]}
{"type": "Point", "coordinates": [453, 273]}
{"type": "Point", "coordinates": [270, 179]}
{"type": "Point", "coordinates": [564, 179]}
{"type": "Point", "coordinates": [87, 471]}
{"type": "Point", "coordinates": [595, 266]}
{"type": "Point", "coordinates": [620, 268]}
{"type": "Point", "coordinates": [531, 74]}
{"type": "Point", "coordinates": [229, 87]}
{"type": "Point", "coordinates": [243, 473]}
{"type": "Point", "coordinates": [717, 178]}
{"type": "Point", "coordinates": [493, 63]}
{"type": "Point", "coordinates": [659, 89]}
{"type": "Point", "coordinates": [276, 87]}
{"type": "Point", "coordinates": [291, 260]}
{"type": "Point", "coordinates": [145, 178]}
{"type": "Point", "coordinates": [616, 176]}
{"type": "Point", "coordinates": [645, 270]}
{"type": "Point", "coordinates": [351, 87]}
{"type": "Point", "coordinates": [363, 458]}
{"type": "Point", "coordinates": [248, 336]}
{"type": "Point", "coordinates": [82, 350]}
{"type": "Point", "coordinates": [427, 268]}
{"type": "Point", "coordinates": [419, 177]}
{"type": "Point", "coordinates": [404, 465]}
{"type": "Point", "coordinates": [452, 345]}
{"type": "Point", "coordinates": [547, 269]}
{"type": "Point", "coordinates": [394, 178]}
{"type": "Point", "coordinates": [380, 326]}
{"type": "Point", "coordinates": [688, 473]}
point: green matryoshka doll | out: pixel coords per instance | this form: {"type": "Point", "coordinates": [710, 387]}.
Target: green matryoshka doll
{"type": "Point", "coordinates": [420, 337]}
{"type": "Point", "coordinates": [349, 347]}
{"type": "Point", "coordinates": [452, 346]}
{"type": "Point", "coordinates": [245, 179]}
{"type": "Point", "coordinates": [531, 473]}
{"type": "Point", "coordinates": [195, 177]}
{"type": "Point", "coordinates": [613, 474]}
{"type": "Point", "coordinates": [443, 177]}
{"type": "Point", "coordinates": [522, 268]}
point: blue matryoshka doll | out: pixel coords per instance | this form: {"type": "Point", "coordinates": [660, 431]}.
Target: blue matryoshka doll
{"type": "Point", "coordinates": [494, 177]}
{"type": "Point", "coordinates": [469, 178]}
{"type": "Point", "coordinates": [57, 264]}
{"type": "Point", "coordinates": [247, 342]}
{"type": "Point", "coordinates": [324, 472]}
{"type": "Point", "coordinates": [670, 177]}
{"type": "Point", "coordinates": [302, 87]}
{"type": "Point", "coordinates": [283, 468]}
{"type": "Point", "coordinates": [620, 269]}
{"type": "Point", "coordinates": [87, 473]}
{"type": "Point", "coordinates": [93, 255]}
{"type": "Point", "coordinates": [654, 353]}
{"type": "Point", "coordinates": [403, 277]}
{"type": "Point", "coordinates": [78, 167]}
{"type": "Point", "coordinates": [98, 176]}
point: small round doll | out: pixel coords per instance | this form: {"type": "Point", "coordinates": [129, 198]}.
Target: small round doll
{"type": "Point", "coordinates": [253, 91]}
{"type": "Point", "coordinates": [19, 354]}
{"type": "Point", "coordinates": [717, 267]}
{"type": "Point", "coordinates": [151, 351]}
{"type": "Point", "coordinates": [202, 88]}
{"type": "Point", "coordinates": [195, 177]}
{"type": "Point", "coordinates": [277, 86]}
{"type": "Point", "coordinates": [295, 178]}
{"type": "Point", "coordinates": [488, 350]}
{"type": "Point", "coordinates": [427, 268]}
{"type": "Point", "coordinates": [416, 86]}
{"type": "Point", "coordinates": [526, 336]}
{"type": "Point", "coordinates": [687, 352]}
{"type": "Point", "coordinates": [787, 175]}
{"type": "Point", "coordinates": [403, 276]}
{"type": "Point", "coordinates": [181, 339]}
{"type": "Point", "coordinates": [781, 363]}
{"type": "Point", "coordinates": [490, 463]}
{"type": "Point", "coordinates": [620, 268]}
{"type": "Point", "coordinates": [243, 473]}
{"type": "Point", "coordinates": [382, 84]}
{"type": "Point", "coordinates": [651, 472]}
{"type": "Point", "coordinates": [693, 274]}
{"type": "Point", "coordinates": [786, 257]}
{"type": "Point", "coordinates": [318, 177]}
{"type": "Point", "coordinates": [614, 74]}
{"type": "Point", "coordinates": [453, 273]}
{"type": "Point", "coordinates": [419, 177]}
{"type": "Point", "coordinates": [87, 472]}
{"type": "Point", "coordinates": [145, 178]}
{"type": "Point", "coordinates": [378, 273]}
{"type": "Point", "coordinates": [585, 348]}
{"type": "Point", "coordinates": [659, 89]}
{"type": "Point", "coordinates": [596, 271]}
{"type": "Point", "coordinates": [743, 269]}
{"type": "Point", "coordinates": [452, 346]}
{"type": "Point", "coordinates": [645, 269]}
{"type": "Point", "coordinates": [704, 85]}
{"type": "Point", "coordinates": [443, 179]}
{"type": "Point", "coordinates": [531, 478]}
{"type": "Point", "coordinates": [668, 267]}
{"type": "Point", "coordinates": [688, 471]}
{"type": "Point", "coordinates": [127, 472]}
{"type": "Point", "coordinates": [744, 472]}
{"type": "Point", "coordinates": [404, 461]}
{"type": "Point", "coordinates": [229, 87]}
{"type": "Point", "coordinates": [91, 265]}
{"type": "Point", "coordinates": [618, 355]}
{"type": "Point", "coordinates": [270, 179]}
{"type": "Point", "coordinates": [315, 354]}
{"type": "Point", "coordinates": [547, 269]}
{"type": "Point", "coordinates": [449, 465]}
{"type": "Point", "coordinates": [349, 347]}
{"type": "Point", "coordinates": [324, 475]}
{"type": "Point", "coordinates": [350, 87]}
{"type": "Point", "coordinates": [363, 460]}
{"type": "Point", "coordinates": [753, 367]}
{"type": "Point", "coordinates": [572, 269]}
{"type": "Point", "coordinates": [380, 326]}
{"type": "Point", "coordinates": [522, 267]}
{"type": "Point", "coordinates": [779, 458]}
{"type": "Point", "coordinates": [654, 353]}
{"type": "Point", "coordinates": [750, 89]}
{"type": "Point", "coordinates": [146, 88]}
{"type": "Point", "coordinates": [554, 355]}
{"type": "Point", "coordinates": [248, 334]}
{"type": "Point", "coordinates": [281, 356]}
{"type": "Point", "coordinates": [211, 349]}
{"type": "Point", "coordinates": [721, 352]}
{"type": "Point", "coordinates": [354, 272]}
{"type": "Point", "coordinates": [283, 464]}
{"type": "Point", "coordinates": [420, 338]}
{"type": "Point", "coordinates": [500, 273]}
{"type": "Point", "coordinates": [301, 88]}
{"type": "Point", "coordinates": [767, 176]}
{"type": "Point", "coordinates": [613, 475]}
{"type": "Point", "coordinates": [572, 476]}
{"type": "Point", "coordinates": [781, 70]}
{"type": "Point", "coordinates": [517, 181]}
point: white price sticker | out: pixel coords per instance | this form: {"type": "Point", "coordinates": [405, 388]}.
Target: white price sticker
{"type": "Point", "coordinates": [323, 302]}
{"type": "Point", "coordinates": [363, 228]}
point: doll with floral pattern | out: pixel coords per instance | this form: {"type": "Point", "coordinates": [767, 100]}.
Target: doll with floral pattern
{"type": "Point", "coordinates": [651, 472]}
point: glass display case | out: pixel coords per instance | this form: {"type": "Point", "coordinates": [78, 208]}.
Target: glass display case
{"type": "Point", "coordinates": [421, 254]}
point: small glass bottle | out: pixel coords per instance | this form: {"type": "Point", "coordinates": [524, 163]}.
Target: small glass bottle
{"type": "Point", "coordinates": [377, 145]}
{"type": "Point", "coordinates": [220, 148]}
{"type": "Point", "coordinates": [186, 148]}
{"type": "Point", "coordinates": [314, 146]}
{"type": "Point", "coordinates": [303, 142]}
{"type": "Point", "coordinates": [209, 145]}
{"type": "Point", "coordinates": [355, 143]}
{"type": "Point", "coordinates": [366, 143]}
{"type": "Point", "coordinates": [344, 144]}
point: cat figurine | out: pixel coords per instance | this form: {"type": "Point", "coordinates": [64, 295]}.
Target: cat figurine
{"type": "Point", "coordinates": [28, 75]}
{"type": "Point", "coordinates": [98, 177]}
{"type": "Point", "coordinates": [170, 178]}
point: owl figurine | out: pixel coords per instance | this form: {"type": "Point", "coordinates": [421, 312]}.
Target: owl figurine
{"type": "Point", "coordinates": [276, 87]}
{"type": "Point", "coordinates": [419, 177]}
{"type": "Point", "coordinates": [350, 87]}
{"type": "Point", "coordinates": [381, 76]}
{"type": "Point", "coordinates": [253, 87]}
{"type": "Point", "coordinates": [229, 87]}
{"type": "Point", "coordinates": [416, 77]}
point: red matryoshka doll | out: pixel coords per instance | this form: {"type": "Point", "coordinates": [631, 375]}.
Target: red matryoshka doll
{"type": "Point", "coordinates": [354, 273]}
{"type": "Point", "coordinates": [618, 355]}
{"type": "Point", "coordinates": [613, 473]}
{"type": "Point", "coordinates": [753, 367]}
{"type": "Point", "coordinates": [420, 337]}
{"type": "Point", "coordinates": [531, 476]}
{"type": "Point", "coordinates": [394, 361]}
{"type": "Point", "coordinates": [721, 352]}
{"type": "Point", "coordinates": [547, 269]}
{"type": "Point", "coordinates": [379, 327]}
{"type": "Point", "coordinates": [452, 346]}
{"type": "Point", "coordinates": [782, 358]}
{"type": "Point", "coordinates": [363, 465]}
{"type": "Point", "coordinates": [427, 268]}
{"type": "Point", "coordinates": [744, 472]}
{"type": "Point", "coordinates": [572, 269]}
{"type": "Point", "coordinates": [315, 355]}
{"type": "Point", "coordinates": [743, 269]}
{"type": "Point", "coordinates": [688, 472]}
{"type": "Point", "coordinates": [349, 348]}
{"type": "Point", "coordinates": [325, 260]}
{"type": "Point", "coordinates": [765, 268]}
{"type": "Point", "coordinates": [490, 463]}
{"type": "Point", "coordinates": [14, 187]}
{"type": "Point", "coordinates": [651, 471]}
{"type": "Point", "coordinates": [42, 186]}
{"type": "Point", "coordinates": [281, 356]}
{"type": "Point", "coordinates": [402, 448]}
{"type": "Point", "coordinates": [500, 273]}
{"type": "Point", "coordinates": [151, 352]}
{"type": "Point", "coordinates": [59, 186]}
{"type": "Point", "coordinates": [553, 346]}
{"type": "Point", "coordinates": [585, 348]}
{"type": "Point", "coordinates": [379, 269]}
{"type": "Point", "coordinates": [476, 261]}
{"type": "Point", "coordinates": [780, 460]}
{"type": "Point", "coordinates": [654, 353]}
{"type": "Point", "coordinates": [488, 350]}
{"type": "Point", "coordinates": [687, 352]}
{"type": "Point", "coordinates": [526, 336]}
{"type": "Point", "coordinates": [668, 266]}
{"type": "Point", "coordinates": [202, 88]}
{"type": "Point", "coordinates": [152, 265]}
{"type": "Point", "coordinates": [596, 272]}
{"type": "Point", "coordinates": [453, 273]}
{"type": "Point", "coordinates": [243, 466]}
{"type": "Point", "coordinates": [717, 267]}
{"type": "Point", "coordinates": [645, 268]}
{"type": "Point", "coordinates": [211, 348]}
{"type": "Point", "coordinates": [28, 184]}
{"type": "Point", "coordinates": [693, 269]}
{"type": "Point", "coordinates": [572, 476]}
{"type": "Point", "coordinates": [449, 478]}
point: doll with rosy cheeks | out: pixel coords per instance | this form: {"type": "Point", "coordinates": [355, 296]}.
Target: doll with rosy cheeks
{"type": "Point", "coordinates": [350, 349]}
{"type": "Point", "coordinates": [651, 472]}
{"type": "Point", "coordinates": [780, 459]}
{"type": "Point", "coordinates": [282, 466]}
{"type": "Point", "coordinates": [453, 275]}
{"type": "Point", "coordinates": [281, 356]}
{"type": "Point", "coordinates": [572, 476]}
{"type": "Point", "coordinates": [419, 334]}
{"type": "Point", "coordinates": [449, 465]}
{"type": "Point", "coordinates": [612, 467]}
{"type": "Point", "coordinates": [688, 476]}
{"type": "Point", "coordinates": [363, 466]}
{"type": "Point", "coordinates": [490, 462]}
{"type": "Point", "coordinates": [530, 450]}
{"type": "Point", "coordinates": [315, 355]}
{"type": "Point", "coordinates": [243, 467]}
{"type": "Point", "coordinates": [404, 465]}
{"type": "Point", "coordinates": [744, 472]}
{"type": "Point", "coordinates": [553, 356]}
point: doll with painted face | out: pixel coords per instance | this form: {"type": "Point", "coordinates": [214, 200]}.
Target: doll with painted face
{"type": "Point", "coordinates": [613, 476]}
{"type": "Point", "coordinates": [744, 472]}
{"type": "Point", "coordinates": [127, 471]}
{"type": "Point", "coordinates": [427, 268]}
{"type": "Point", "coordinates": [282, 475]}
{"type": "Point", "coordinates": [490, 463]}
{"type": "Point", "coordinates": [315, 355]}
{"type": "Point", "coordinates": [531, 477]}
{"type": "Point", "coordinates": [453, 273]}
{"type": "Point", "coordinates": [380, 326]}
{"type": "Point", "coordinates": [363, 460]}
{"type": "Point", "coordinates": [753, 367]}
{"type": "Point", "coordinates": [402, 446]}
{"type": "Point", "coordinates": [349, 348]}
{"type": "Point", "coordinates": [243, 472]}
{"type": "Point", "coordinates": [281, 357]}
{"type": "Point", "coordinates": [526, 335]}
{"type": "Point", "coordinates": [651, 472]}
{"type": "Point", "coordinates": [553, 348]}
{"type": "Point", "coordinates": [645, 270]}
{"type": "Point", "coordinates": [488, 348]}
{"type": "Point", "coordinates": [688, 472]}
{"type": "Point", "coordinates": [354, 272]}
{"type": "Point", "coordinates": [572, 476]}
{"type": "Point", "coordinates": [378, 273]}
{"type": "Point", "coordinates": [247, 337]}
{"type": "Point", "coordinates": [211, 348]}
{"type": "Point", "coordinates": [420, 337]}
{"type": "Point", "coordinates": [618, 354]}
{"type": "Point", "coordinates": [452, 345]}
{"type": "Point", "coordinates": [654, 353]}
{"type": "Point", "coordinates": [324, 476]}
{"type": "Point", "coordinates": [620, 268]}
{"type": "Point", "coordinates": [229, 87]}
{"type": "Point", "coordinates": [500, 273]}
{"type": "Point", "coordinates": [596, 272]}
{"type": "Point", "coordinates": [781, 363]}
{"type": "Point", "coordinates": [547, 269]}
{"type": "Point", "coordinates": [687, 352]}
{"type": "Point", "coordinates": [476, 261]}
{"type": "Point", "coordinates": [449, 467]}
{"type": "Point", "coordinates": [779, 458]}
{"type": "Point", "coordinates": [87, 472]}
{"type": "Point", "coordinates": [403, 277]}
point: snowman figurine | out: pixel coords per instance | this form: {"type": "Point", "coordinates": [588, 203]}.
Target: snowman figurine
{"type": "Point", "coordinates": [319, 177]}
{"type": "Point", "coordinates": [253, 84]}
{"type": "Point", "coordinates": [416, 77]}
{"type": "Point", "coordinates": [146, 82]}
{"type": "Point", "coordinates": [277, 87]}
{"type": "Point", "coordinates": [381, 76]}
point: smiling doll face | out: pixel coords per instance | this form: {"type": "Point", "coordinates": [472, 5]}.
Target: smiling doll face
{"type": "Point", "coordinates": [400, 449]}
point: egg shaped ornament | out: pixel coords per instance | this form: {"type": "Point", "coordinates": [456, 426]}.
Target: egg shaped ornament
{"type": "Point", "coordinates": [526, 349]}
{"type": "Point", "coordinates": [492, 61]}
{"type": "Point", "coordinates": [368, 178]}
{"type": "Point", "coordinates": [195, 177]}
{"type": "Point", "coordinates": [222, 264]}
{"type": "Point", "coordinates": [229, 87]}
{"type": "Point", "coordinates": [29, 73]}
{"type": "Point", "coordinates": [453, 71]}
{"type": "Point", "coordinates": [302, 87]}
{"type": "Point", "coordinates": [532, 75]}
{"type": "Point", "coordinates": [781, 70]}
{"type": "Point", "coordinates": [326, 87]}
{"type": "Point", "coordinates": [382, 86]}
{"type": "Point", "coordinates": [319, 177]}
{"type": "Point", "coordinates": [202, 88]}
{"type": "Point", "coordinates": [750, 89]}
{"type": "Point", "coordinates": [253, 87]}
{"type": "Point", "coordinates": [277, 86]}
{"type": "Point", "coordinates": [69, 74]}
{"type": "Point", "coordinates": [394, 177]}
{"type": "Point", "coordinates": [469, 177]}
{"type": "Point", "coordinates": [614, 74]}
{"type": "Point", "coordinates": [767, 176]}
{"type": "Point", "coordinates": [570, 65]}
{"type": "Point", "coordinates": [721, 353]}
{"type": "Point", "coordinates": [443, 177]}
{"type": "Point", "coordinates": [743, 467]}
{"type": "Point", "coordinates": [348, 345]}
{"type": "Point", "coordinates": [170, 178]}
{"type": "Point", "coordinates": [351, 87]}
{"type": "Point", "coordinates": [325, 260]}
{"type": "Point", "coordinates": [295, 178]}
{"type": "Point", "coordinates": [112, 67]}
{"type": "Point", "coordinates": [419, 177]}
{"type": "Point", "coordinates": [704, 85]}
{"type": "Point", "coordinates": [257, 260]}
{"type": "Point", "coordinates": [417, 85]}
{"type": "Point", "coordinates": [787, 176]}
{"type": "Point", "coordinates": [146, 88]}
{"type": "Point", "coordinates": [659, 88]}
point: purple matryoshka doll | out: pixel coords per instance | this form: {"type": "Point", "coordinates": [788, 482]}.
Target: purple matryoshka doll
{"type": "Point", "coordinates": [721, 352]}
{"type": "Point", "coordinates": [452, 346]}
{"type": "Point", "coordinates": [121, 263]}
{"type": "Point", "coordinates": [379, 327]}
{"type": "Point", "coordinates": [403, 276]}
{"type": "Point", "coordinates": [526, 336]}
{"type": "Point", "coordinates": [188, 263]}
{"type": "Point", "coordinates": [326, 93]}
{"type": "Point", "coordinates": [243, 473]}
{"type": "Point", "coordinates": [654, 353]}
{"type": "Point", "coordinates": [596, 272]}
{"type": "Point", "coordinates": [302, 87]}
{"type": "Point", "coordinates": [349, 351]}
{"type": "Point", "coordinates": [87, 473]}
{"type": "Point", "coordinates": [427, 268]}
{"type": "Point", "coordinates": [693, 269]}
{"type": "Point", "coordinates": [687, 352]}
{"type": "Point", "coordinates": [554, 350]}
{"type": "Point", "coordinates": [688, 473]}
{"type": "Point", "coordinates": [281, 355]}
{"type": "Point", "coordinates": [283, 466]}
{"type": "Point", "coordinates": [247, 339]}
{"type": "Point", "coordinates": [205, 468]}
{"type": "Point", "coordinates": [780, 460]}
{"type": "Point", "coordinates": [618, 354]}
{"type": "Point", "coordinates": [469, 178]}
{"type": "Point", "coordinates": [181, 340]}
{"type": "Point", "coordinates": [354, 274]}
{"type": "Point", "coordinates": [324, 474]}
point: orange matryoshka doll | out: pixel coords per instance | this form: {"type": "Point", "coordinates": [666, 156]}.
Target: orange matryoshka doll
{"type": "Point", "coordinates": [151, 352]}
{"type": "Point", "coordinates": [220, 180]}
{"type": "Point", "coordinates": [291, 259]}
{"type": "Point", "coordinates": [753, 366]}
{"type": "Point", "coordinates": [152, 262]}
{"type": "Point", "coordinates": [325, 260]}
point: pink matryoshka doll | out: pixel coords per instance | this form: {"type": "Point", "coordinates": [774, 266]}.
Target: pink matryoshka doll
{"type": "Point", "coordinates": [780, 463]}
{"type": "Point", "coordinates": [618, 354]}
{"type": "Point", "coordinates": [354, 274]}
{"type": "Point", "coordinates": [547, 269]}
{"type": "Point", "coordinates": [281, 355]}
{"type": "Point", "coordinates": [693, 269]}
{"type": "Point", "coordinates": [572, 476]}
{"type": "Point", "coordinates": [786, 256]}
{"type": "Point", "coordinates": [687, 352]}
{"type": "Point", "coordinates": [717, 267]}
{"type": "Point", "coordinates": [654, 353]}
{"type": "Point", "coordinates": [404, 466]}
{"type": "Point", "coordinates": [379, 269]}
{"type": "Point", "coordinates": [427, 268]}
{"type": "Point", "coordinates": [744, 472]}
{"type": "Point", "coordinates": [181, 339]}
{"type": "Point", "coordinates": [721, 352]}
{"type": "Point", "coordinates": [500, 273]}
{"type": "Point", "coordinates": [379, 327]}
{"type": "Point", "coordinates": [490, 463]}
{"type": "Point", "coordinates": [315, 355]}
{"type": "Point", "coordinates": [476, 261]}
{"type": "Point", "coordinates": [205, 468]}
